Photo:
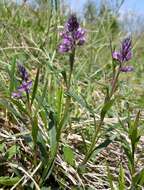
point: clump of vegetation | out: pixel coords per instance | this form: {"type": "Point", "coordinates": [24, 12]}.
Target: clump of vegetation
{"type": "Point", "coordinates": [71, 99]}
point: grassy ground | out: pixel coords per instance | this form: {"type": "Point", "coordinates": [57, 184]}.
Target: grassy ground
{"type": "Point", "coordinates": [72, 137]}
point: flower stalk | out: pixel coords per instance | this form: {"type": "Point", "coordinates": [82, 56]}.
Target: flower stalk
{"type": "Point", "coordinates": [72, 36]}
{"type": "Point", "coordinates": [123, 56]}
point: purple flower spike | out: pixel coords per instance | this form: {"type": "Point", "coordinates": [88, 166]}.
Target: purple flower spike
{"type": "Point", "coordinates": [72, 35]}
{"type": "Point", "coordinates": [26, 84]}
{"type": "Point", "coordinates": [23, 72]}
{"type": "Point", "coordinates": [127, 69]}
{"type": "Point", "coordinates": [72, 24]}
{"type": "Point", "coordinates": [125, 53]}
{"type": "Point", "coordinates": [25, 87]}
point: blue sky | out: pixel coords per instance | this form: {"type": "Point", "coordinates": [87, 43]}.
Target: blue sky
{"type": "Point", "coordinates": [129, 5]}
{"type": "Point", "coordinates": [134, 5]}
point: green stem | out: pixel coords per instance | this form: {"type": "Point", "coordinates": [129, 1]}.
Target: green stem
{"type": "Point", "coordinates": [98, 128]}
{"type": "Point", "coordinates": [66, 112]}
{"type": "Point", "coordinates": [71, 60]}
{"type": "Point", "coordinates": [30, 115]}
{"type": "Point", "coordinates": [114, 83]}
{"type": "Point", "coordinates": [68, 98]}
{"type": "Point", "coordinates": [133, 164]}
{"type": "Point", "coordinates": [93, 142]}
{"type": "Point", "coordinates": [28, 102]}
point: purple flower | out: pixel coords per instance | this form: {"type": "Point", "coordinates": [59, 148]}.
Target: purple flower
{"type": "Point", "coordinates": [125, 53]}
{"type": "Point", "coordinates": [16, 94]}
{"type": "Point", "coordinates": [66, 44]}
{"type": "Point", "coordinates": [72, 35]}
{"type": "Point", "coordinates": [23, 73]}
{"type": "Point", "coordinates": [117, 56]}
{"type": "Point", "coordinates": [64, 48]}
{"type": "Point", "coordinates": [25, 87]}
{"type": "Point", "coordinates": [126, 69]}
{"type": "Point", "coordinates": [81, 41]}
{"type": "Point", "coordinates": [80, 33]}
{"type": "Point", "coordinates": [80, 36]}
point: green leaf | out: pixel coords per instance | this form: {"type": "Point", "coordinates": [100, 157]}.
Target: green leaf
{"type": "Point", "coordinates": [11, 152]}
{"type": "Point", "coordinates": [77, 98]}
{"type": "Point", "coordinates": [84, 142]}
{"type": "Point", "coordinates": [110, 178]}
{"type": "Point", "coordinates": [121, 179]}
{"type": "Point", "coordinates": [106, 107]}
{"type": "Point", "coordinates": [127, 149]}
{"type": "Point", "coordinates": [7, 105]}
{"type": "Point", "coordinates": [64, 76]}
{"type": "Point", "coordinates": [53, 147]}
{"type": "Point", "coordinates": [35, 86]}
{"type": "Point", "coordinates": [59, 103]}
{"type": "Point", "coordinates": [139, 178]}
{"type": "Point", "coordinates": [35, 129]}
{"type": "Point", "coordinates": [9, 181]}
{"type": "Point", "coordinates": [133, 135]}
{"type": "Point", "coordinates": [42, 147]}
{"type": "Point", "coordinates": [69, 155]}
{"type": "Point", "coordinates": [44, 118]}
{"type": "Point", "coordinates": [133, 131]}
{"type": "Point", "coordinates": [141, 131]}
{"type": "Point", "coordinates": [2, 147]}
{"type": "Point", "coordinates": [19, 105]}
{"type": "Point", "coordinates": [40, 102]}
{"type": "Point", "coordinates": [102, 146]}
{"type": "Point", "coordinates": [52, 133]}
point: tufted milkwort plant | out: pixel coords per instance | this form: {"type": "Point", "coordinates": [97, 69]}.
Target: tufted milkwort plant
{"type": "Point", "coordinates": [72, 37]}
{"type": "Point", "coordinates": [25, 93]}
{"type": "Point", "coordinates": [121, 58]}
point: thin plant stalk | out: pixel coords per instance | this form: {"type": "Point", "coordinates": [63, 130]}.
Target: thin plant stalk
{"type": "Point", "coordinates": [66, 112]}
{"type": "Point", "coordinates": [68, 98]}
{"type": "Point", "coordinates": [98, 128]}
{"type": "Point", "coordinates": [121, 57]}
